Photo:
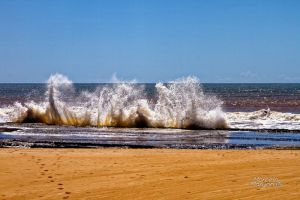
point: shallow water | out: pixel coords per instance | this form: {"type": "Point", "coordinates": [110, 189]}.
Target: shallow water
{"type": "Point", "coordinates": [40, 135]}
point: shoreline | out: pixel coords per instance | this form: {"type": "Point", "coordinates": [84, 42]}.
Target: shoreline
{"type": "Point", "coordinates": [45, 136]}
{"type": "Point", "coordinates": [14, 126]}
{"type": "Point", "coordinates": [113, 173]}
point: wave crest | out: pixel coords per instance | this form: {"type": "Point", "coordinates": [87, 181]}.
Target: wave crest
{"type": "Point", "coordinates": [179, 104]}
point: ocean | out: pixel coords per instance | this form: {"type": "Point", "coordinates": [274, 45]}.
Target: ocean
{"type": "Point", "coordinates": [180, 114]}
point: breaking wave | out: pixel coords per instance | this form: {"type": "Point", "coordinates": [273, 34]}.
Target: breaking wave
{"type": "Point", "coordinates": [178, 104]}
{"type": "Point", "coordinates": [264, 119]}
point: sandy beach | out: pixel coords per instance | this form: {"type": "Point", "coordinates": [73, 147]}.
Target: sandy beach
{"type": "Point", "coordinates": [149, 174]}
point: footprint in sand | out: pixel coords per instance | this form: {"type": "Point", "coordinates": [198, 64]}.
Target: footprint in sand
{"type": "Point", "coordinates": [60, 186]}
{"type": "Point", "coordinates": [67, 196]}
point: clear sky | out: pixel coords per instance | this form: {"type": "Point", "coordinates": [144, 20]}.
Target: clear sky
{"type": "Point", "coordinates": [153, 40]}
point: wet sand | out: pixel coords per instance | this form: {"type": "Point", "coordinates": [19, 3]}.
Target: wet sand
{"type": "Point", "coordinates": [149, 174]}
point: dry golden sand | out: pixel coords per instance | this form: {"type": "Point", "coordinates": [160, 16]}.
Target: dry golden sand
{"type": "Point", "coordinates": [148, 174]}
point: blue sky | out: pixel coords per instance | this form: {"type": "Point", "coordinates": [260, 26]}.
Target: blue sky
{"type": "Point", "coordinates": [153, 40]}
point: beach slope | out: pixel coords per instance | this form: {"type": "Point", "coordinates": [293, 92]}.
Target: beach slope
{"type": "Point", "coordinates": [149, 174]}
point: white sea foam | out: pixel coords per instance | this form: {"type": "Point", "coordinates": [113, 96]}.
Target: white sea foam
{"type": "Point", "coordinates": [264, 119]}
{"type": "Point", "coordinates": [180, 104]}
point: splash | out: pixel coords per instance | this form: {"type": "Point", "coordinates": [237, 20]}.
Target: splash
{"type": "Point", "coordinates": [179, 104]}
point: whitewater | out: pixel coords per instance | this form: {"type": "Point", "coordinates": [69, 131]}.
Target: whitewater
{"type": "Point", "coordinates": [179, 104]}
